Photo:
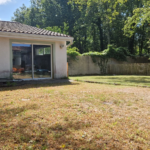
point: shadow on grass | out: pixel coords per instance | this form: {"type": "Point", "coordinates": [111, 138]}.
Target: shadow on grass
{"type": "Point", "coordinates": [14, 112]}
{"type": "Point", "coordinates": [132, 80]}
{"type": "Point", "coordinates": [38, 84]}
{"type": "Point", "coordinates": [28, 133]}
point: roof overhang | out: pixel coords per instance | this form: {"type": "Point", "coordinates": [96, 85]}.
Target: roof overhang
{"type": "Point", "coordinates": [35, 37]}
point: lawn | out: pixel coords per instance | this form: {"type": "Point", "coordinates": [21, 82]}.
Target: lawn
{"type": "Point", "coordinates": [123, 80]}
{"type": "Point", "coordinates": [74, 116]}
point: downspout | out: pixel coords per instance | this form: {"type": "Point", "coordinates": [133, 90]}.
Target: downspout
{"type": "Point", "coordinates": [71, 42]}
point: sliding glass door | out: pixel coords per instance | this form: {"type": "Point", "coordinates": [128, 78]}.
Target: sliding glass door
{"type": "Point", "coordinates": [31, 61]}
{"type": "Point", "coordinates": [22, 61]}
{"type": "Point", "coordinates": [42, 61]}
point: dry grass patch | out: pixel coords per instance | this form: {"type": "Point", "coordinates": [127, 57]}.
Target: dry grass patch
{"type": "Point", "coordinates": [78, 116]}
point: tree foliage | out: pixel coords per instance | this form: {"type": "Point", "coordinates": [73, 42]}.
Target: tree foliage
{"type": "Point", "coordinates": [94, 24]}
{"type": "Point", "coordinates": [119, 53]}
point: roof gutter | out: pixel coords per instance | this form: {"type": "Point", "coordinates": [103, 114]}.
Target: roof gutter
{"type": "Point", "coordinates": [35, 37]}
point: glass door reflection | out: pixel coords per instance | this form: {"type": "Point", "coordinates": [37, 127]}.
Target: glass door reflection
{"type": "Point", "coordinates": [22, 61]}
{"type": "Point", "coordinates": [42, 61]}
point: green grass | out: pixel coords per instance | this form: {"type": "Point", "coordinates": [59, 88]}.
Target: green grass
{"type": "Point", "coordinates": [123, 80]}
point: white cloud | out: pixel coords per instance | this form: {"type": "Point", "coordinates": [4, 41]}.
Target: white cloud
{"type": "Point", "coordinates": [4, 1]}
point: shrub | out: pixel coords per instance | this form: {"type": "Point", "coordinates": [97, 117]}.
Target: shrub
{"type": "Point", "coordinates": [119, 53]}
{"type": "Point", "coordinates": [101, 58]}
{"type": "Point", "coordinates": [73, 52]}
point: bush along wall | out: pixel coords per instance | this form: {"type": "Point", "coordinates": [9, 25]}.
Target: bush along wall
{"type": "Point", "coordinates": [101, 58]}
{"type": "Point", "coordinates": [72, 53]}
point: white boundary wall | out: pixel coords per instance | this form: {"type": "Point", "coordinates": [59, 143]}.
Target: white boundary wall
{"type": "Point", "coordinates": [84, 66]}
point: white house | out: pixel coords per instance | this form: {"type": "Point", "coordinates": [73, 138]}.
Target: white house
{"type": "Point", "coordinates": [28, 52]}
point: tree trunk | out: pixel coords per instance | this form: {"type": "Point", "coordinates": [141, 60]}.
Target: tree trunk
{"type": "Point", "coordinates": [99, 24]}
{"type": "Point", "coordinates": [108, 34]}
{"type": "Point", "coordinates": [131, 44]}
{"type": "Point", "coordinates": [85, 45]}
{"type": "Point", "coordinates": [80, 46]}
{"type": "Point", "coordinates": [141, 42]}
{"type": "Point", "coordinates": [94, 39]}
{"type": "Point", "coordinates": [141, 47]}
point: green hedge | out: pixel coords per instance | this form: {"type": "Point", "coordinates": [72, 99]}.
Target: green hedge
{"type": "Point", "coordinates": [73, 52]}
{"type": "Point", "coordinates": [119, 53]}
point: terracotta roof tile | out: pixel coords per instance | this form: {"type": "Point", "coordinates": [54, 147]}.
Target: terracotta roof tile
{"type": "Point", "coordinates": [6, 26]}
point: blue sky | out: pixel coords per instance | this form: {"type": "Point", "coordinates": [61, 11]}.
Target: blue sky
{"type": "Point", "coordinates": [8, 7]}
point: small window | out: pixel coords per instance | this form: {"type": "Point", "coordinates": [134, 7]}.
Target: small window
{"type": "Point", "coordinates": [43, 51]}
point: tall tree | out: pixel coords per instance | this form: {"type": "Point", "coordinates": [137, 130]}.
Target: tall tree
{"type": "Point", "coordinates": [93, 23]}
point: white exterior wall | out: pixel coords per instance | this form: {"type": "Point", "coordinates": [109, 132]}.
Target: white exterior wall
{"type": "Point", "coordinates": [4, 58]}
{"type": "Point", "coordinates": [60, 60]}
{"type": "Point", "coordinates": [59, 57]}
